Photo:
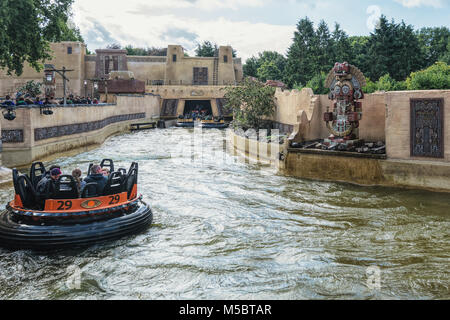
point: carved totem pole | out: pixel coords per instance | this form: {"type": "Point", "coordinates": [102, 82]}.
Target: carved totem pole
{"type": "Point", "coordinates": [345, 82]}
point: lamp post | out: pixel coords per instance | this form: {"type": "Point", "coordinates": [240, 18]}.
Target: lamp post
{"type": "Point", "coordinates": [95, 87]}
{"type": "Point", "coordinates": [62, 73]}
{"type": "Point", "coordinates": [85, 88]}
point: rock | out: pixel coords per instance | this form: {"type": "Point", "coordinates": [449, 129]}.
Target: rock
{"type": "Point", "coordinates": [332, 147]}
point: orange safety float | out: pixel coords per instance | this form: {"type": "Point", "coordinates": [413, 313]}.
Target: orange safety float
{"type": "Point", "coordinates": [71, 219]}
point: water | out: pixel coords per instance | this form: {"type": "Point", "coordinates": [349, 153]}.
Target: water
{"type": "Point", "coordinates": [226, 229]}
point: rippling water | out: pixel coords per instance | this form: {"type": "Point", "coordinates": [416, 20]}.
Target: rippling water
{"type": "Point", "coordinates": [226, 229]}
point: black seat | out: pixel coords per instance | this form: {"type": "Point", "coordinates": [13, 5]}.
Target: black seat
{"type": "Point", "coordinates": [15, 174]}
{"type": "Point", "coordinates": [65, 188]}
{"type": "Point", "coordinates": [134, 165]}
{"type": "Point", "coordinates": [130, 181]}
{"type": "Point", "coordinates": [123, 172]}
{"type": "Point", "coordinates": [114, 184]}
{"type": "Point", "coordinates": [89, 169]}
{"type": "Point", "coordinates": [26, 191]}
{"type": "Point", "coordinates": [107, 163]}
{"type": "Point", "coordinates": [90, 190]}
{"type": "Point", "coordinates": [37, 172]}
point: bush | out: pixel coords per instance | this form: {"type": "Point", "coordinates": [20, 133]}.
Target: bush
{"type": "Point", "coordinates": [252, 103]}
{"type": "Point", "coordinates": [370, 86]}
{"type": "Point", "coordinates": [316, 83]}
{"type": "Point", "coordinates": [435, 77]}
{"type": "Point", "coordinates": [385, 83]}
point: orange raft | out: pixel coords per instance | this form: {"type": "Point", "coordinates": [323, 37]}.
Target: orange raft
{"type": "Point", "coordinates": [70, 219]}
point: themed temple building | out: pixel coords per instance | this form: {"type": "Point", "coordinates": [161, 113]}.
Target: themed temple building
{"type": "Point", "coordinates": [180, 80]}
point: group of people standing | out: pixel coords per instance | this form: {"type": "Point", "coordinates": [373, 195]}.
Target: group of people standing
{"type": "Point", "coordinates": [97, 175]}
{"type": "Point", "coordinates": [28, 100]}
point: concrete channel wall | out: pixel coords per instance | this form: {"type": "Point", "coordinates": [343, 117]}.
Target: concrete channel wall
{"type": "Point", "coordinates": [33, 136]}
{"type": "Point", "coordinates": [386, 117]}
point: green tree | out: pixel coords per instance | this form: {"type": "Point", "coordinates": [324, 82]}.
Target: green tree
{"type": "Point", "coordinates": [446, 56]}
{"type": "Point", "coordinates": [251, 66]}
{"type": "Point", "coordinates": [31, 88]}
{"type": "Point", "coordinates": [252, 102]}
{"type": "Point", "coordinates": [433, 43]}
{"type": "Point", "coordinates": [206, 49]}
{"type": "Point", "coordinates": [394, 49]}
{"type": "Point", "coordinates": [435, 77]}
{"type": "Point", "coordinates": [268, 65]}
{"type": "Point", "coordinates": [317, 83]}
{"type": "Point", "coordinates": [300, 66]}
{"type": "Point", "coordinates": [149, 51]}
{"type": "Point", "coordinates": [324, 50]}
{"type": "Point", "coordinates": [269, 71]}
{"type": "Point", "coordinates": [342, 50]}
{"type": "Point", "coordinates": [359, 52]}
{"type": "Point", "coordinates": [27, 27]}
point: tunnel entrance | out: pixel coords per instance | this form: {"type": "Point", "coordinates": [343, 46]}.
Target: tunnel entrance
{"type": "Point", "coordinates": [201, 107]}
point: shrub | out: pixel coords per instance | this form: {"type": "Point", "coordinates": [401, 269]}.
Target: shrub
{"type": "Point", "coordinates": [252, 103]}
{"type": "Point", "coordinates": [435, 77]}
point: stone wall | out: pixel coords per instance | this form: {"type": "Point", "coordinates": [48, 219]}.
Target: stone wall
{"type": "Point", "coordinates": [61, 57]}
{"type": "Point", "coordinates": [32, 136]}
{"type": "Point", "coordinates": [303, 111]}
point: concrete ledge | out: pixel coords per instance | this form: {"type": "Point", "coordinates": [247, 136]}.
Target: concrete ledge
{"type": "Point", "coordinates": [20, 157]}
{"type": "Point", "coordinates": [429, 175]}
{"type": "Point", "coordinates": [254, 150]}
{"type": "Point", "coordinates": [5, 176]}
{"type": "Point", "coordinates": [337, 153]}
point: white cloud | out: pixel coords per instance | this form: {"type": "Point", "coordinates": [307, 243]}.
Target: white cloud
{"type": "Point", "coordinates": [420, 3]}
{"type": "Point", "coordinates": [373, 20]}
{"type": "Point", "coordinates": [120, 22]}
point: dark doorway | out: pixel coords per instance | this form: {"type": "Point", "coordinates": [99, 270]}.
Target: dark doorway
{"type": "Point", "coordinates": [203, 107]}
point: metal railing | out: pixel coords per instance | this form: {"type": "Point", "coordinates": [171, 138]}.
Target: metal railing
{"type": "Point", "coordinates": [187, 83]}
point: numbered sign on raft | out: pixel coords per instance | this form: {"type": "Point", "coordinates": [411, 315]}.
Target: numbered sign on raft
{"type": "Point", "coordinates": [83, 204]}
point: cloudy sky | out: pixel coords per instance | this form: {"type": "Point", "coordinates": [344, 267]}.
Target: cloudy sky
{"type": "Point", "coordinates": [250, 26]}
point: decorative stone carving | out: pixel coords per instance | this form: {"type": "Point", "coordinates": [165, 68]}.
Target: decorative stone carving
{"type": "Point", "coordinates": [65, 130]}
{"type": "Point", "coordinates": [345, 82]}
{"type": "Point", "coordinates": [12, 136]}
{"type": "Point", "coordinates": [427, 123]}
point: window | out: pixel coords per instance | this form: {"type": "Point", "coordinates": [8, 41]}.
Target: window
{"type": "Point", "coordinates": [174, 58]}
{"type": "Point", "coordinates": [225, 59]}
{"type": "Point", "coordinates": [200, 76]}
{"type": "Point", "coordinates": [69, 50]}
{"type": "Point", "coordinates": [107, 65]}
{"type": "Point", "coordinates": [115, 63]}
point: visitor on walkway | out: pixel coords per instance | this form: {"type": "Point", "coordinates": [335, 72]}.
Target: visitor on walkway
{"type": "Point", "coordinates": [38, 101]}
{"type": "Point", "coordinates": [8, 102]}
{"type": "Point", "coordinates": [20, 101]}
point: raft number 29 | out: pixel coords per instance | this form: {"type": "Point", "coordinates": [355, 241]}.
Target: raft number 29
{"type": "Point", "coordinates": [64, 205]}
{"type": "Point", "coordinates": [67, 205]}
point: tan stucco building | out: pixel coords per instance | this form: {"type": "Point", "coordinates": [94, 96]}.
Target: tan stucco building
{"type": "Point", "coordinates": [173, 69]}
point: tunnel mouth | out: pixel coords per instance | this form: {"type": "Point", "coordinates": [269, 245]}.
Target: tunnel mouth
{"type": "Point", "coordinates": [200, 107]}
